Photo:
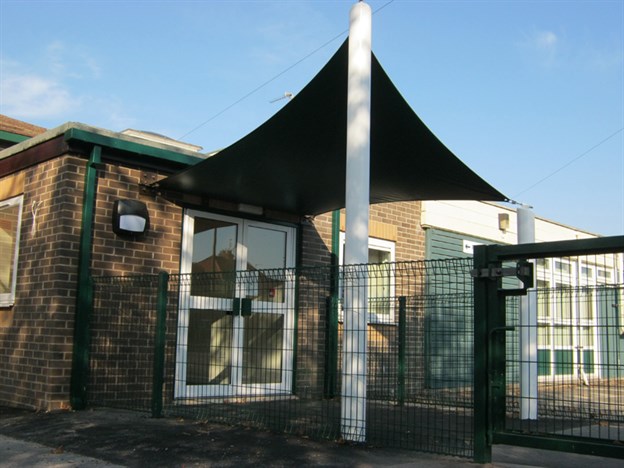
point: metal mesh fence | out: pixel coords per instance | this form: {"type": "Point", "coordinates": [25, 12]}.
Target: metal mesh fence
{"type": "Point", "coordinates": [569, 381]}
{"type": "Point", "coordinates": [266, 349]}
{"type": "Point", "coordinates": [123, 329]}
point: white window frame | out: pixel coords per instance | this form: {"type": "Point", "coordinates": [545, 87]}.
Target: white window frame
{"type": "Point", "coordinates": [8, 299]}
{"type": "Point", "coordinates": [383, 245]}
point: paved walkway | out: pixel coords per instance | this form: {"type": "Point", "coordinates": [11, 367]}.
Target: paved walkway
{"type": "Point", "coordinates": [107, 439]}
{"type": "Point", "coordinates": [16, 453]}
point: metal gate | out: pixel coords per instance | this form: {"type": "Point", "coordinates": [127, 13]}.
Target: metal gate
{"type": "Point", "coordinates": [549, 347]}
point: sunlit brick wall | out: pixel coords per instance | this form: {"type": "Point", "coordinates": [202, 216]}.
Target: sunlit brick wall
{"type": "Point", "coordinates": [36, 334]}
{"type": "Point", "coordinates": [398, 222]}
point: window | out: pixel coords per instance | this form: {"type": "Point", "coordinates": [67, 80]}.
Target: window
{"type": "Point", "coordinates": [585, 301]}
{"type": "Point", "coordinates": [587, 274]}
{"type": "Point", "coordinates": [603, 275]}
{"type": "Point", "coordinates": [543, 300]}
{"type": "Point", "coordinates": [568, 316]}
{"type": "Point", "coordinates": [564, 296]}
{"type": "Point", "coordinates": [544, 263]}
{"type": "Point", "coordinates": [563, 267]}
{"type": "Point", "coordinates": [10, 220]}
{"type": "Point", "coordinates": [380, 278]}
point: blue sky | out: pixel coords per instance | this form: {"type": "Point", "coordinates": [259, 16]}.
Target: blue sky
{"type": "Point", "coordinates": [530, 94]}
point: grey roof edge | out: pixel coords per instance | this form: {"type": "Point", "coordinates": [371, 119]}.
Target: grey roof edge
{"type": "Point", "coordinates": [511, 207]}
{"type": "Point", "coordinates": [63, 129]}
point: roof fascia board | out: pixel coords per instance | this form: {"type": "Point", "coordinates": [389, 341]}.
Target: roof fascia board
{"type": "Point", "coordinates": [78, 132]}
{"type": "Point", "coordinates": [119, 144]}
{"type": "Point", "coordinates": [31, 155]}
{"type": "Point", "coordinates": [36, 140]}
{"type": "Point", "coordinates": [12, 137]}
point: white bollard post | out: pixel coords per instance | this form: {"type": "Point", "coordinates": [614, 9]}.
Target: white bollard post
{"type": "Point", "coordinates": [357, 188]}
{"type": "Point", "coordinates": [528, 327]}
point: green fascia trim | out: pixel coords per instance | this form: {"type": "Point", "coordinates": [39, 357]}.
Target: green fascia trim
{"type": "Point", "coordinates": [12, 137]}
{"type": "Point", "coordinates": [131, 147]}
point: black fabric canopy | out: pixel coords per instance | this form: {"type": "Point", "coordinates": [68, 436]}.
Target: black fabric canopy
{"type": "Point", "coordinates": [296, 161]}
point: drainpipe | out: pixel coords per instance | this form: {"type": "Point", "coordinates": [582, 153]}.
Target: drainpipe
{"type": "Point", "coordinates": [84, 290]}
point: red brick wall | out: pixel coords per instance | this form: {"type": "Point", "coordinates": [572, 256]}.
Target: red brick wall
{"type": "Point", "coordinates": [36, 334]}
{"type": "Point", "coordinates": [410, 237]}
{"type": "Point", "coordinates": [402, 220]}
{"type": "Point", "coordinates": [123, 325]}
{"type": "Point", "coordinates": [398, 222]}
{"type": "Point", "coordinates": [158, 249]}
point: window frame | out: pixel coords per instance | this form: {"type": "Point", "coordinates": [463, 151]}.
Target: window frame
{"type": "Point", "coordinates": [384, 245]}
{"type": "Point", "coordinates": [8, 299]}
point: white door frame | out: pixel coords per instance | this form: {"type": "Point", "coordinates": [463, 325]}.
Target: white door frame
{"type": "Point", "coordinates": [188, 302]}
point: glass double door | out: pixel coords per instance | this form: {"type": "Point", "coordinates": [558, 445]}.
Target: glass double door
{"type": "Point", "coordinates": [235, 329]}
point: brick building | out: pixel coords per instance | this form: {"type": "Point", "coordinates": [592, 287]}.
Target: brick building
{"type": "Point", "coordinates": [58, 190]}
{"type": "Point", "coordinates": [46, 207]}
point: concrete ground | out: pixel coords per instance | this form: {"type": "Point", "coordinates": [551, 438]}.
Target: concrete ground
{"type": "Point", "coordinates": [113, 438]}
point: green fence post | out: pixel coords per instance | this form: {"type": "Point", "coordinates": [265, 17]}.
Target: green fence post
{"type": "Point", "coordinates": [497, 359]}
{"type": "Point", "coordinates": [331, 352]}
{"type": "Point", "coordinates": [482, 443]}
{"type": "Point", "coordinates": [295, 367]}
{"type": "Point", "coordinates": [158, 376]}
{"type": "Point", "coordinates": [402, 343]}
{"type": "Point", "coordinates": [332, 304]}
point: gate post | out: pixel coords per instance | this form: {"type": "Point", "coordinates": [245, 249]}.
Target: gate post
{"type": "Point", "coordinates": [158, 376]}
{"type": "Point", "coordinates": [482, 439]}
{"type": "Point", "coordinates": [489, 351]}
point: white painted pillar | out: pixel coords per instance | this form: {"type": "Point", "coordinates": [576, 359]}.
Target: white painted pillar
{"type": "Point", "coordinates": [528, 326]}
{"type": "Point", "coordinates": [357, 187]}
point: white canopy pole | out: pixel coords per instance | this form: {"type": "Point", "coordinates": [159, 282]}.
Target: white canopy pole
{"type": "Point", "coordinates": [528, 326]}
{"type": "Point", "coordinates": [357, 187]}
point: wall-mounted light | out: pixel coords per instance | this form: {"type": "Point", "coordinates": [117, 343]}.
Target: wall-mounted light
{"type": "Point", "coordinates": [130, 218]}
{"type": "Point", "coordinates": [503, 221]}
